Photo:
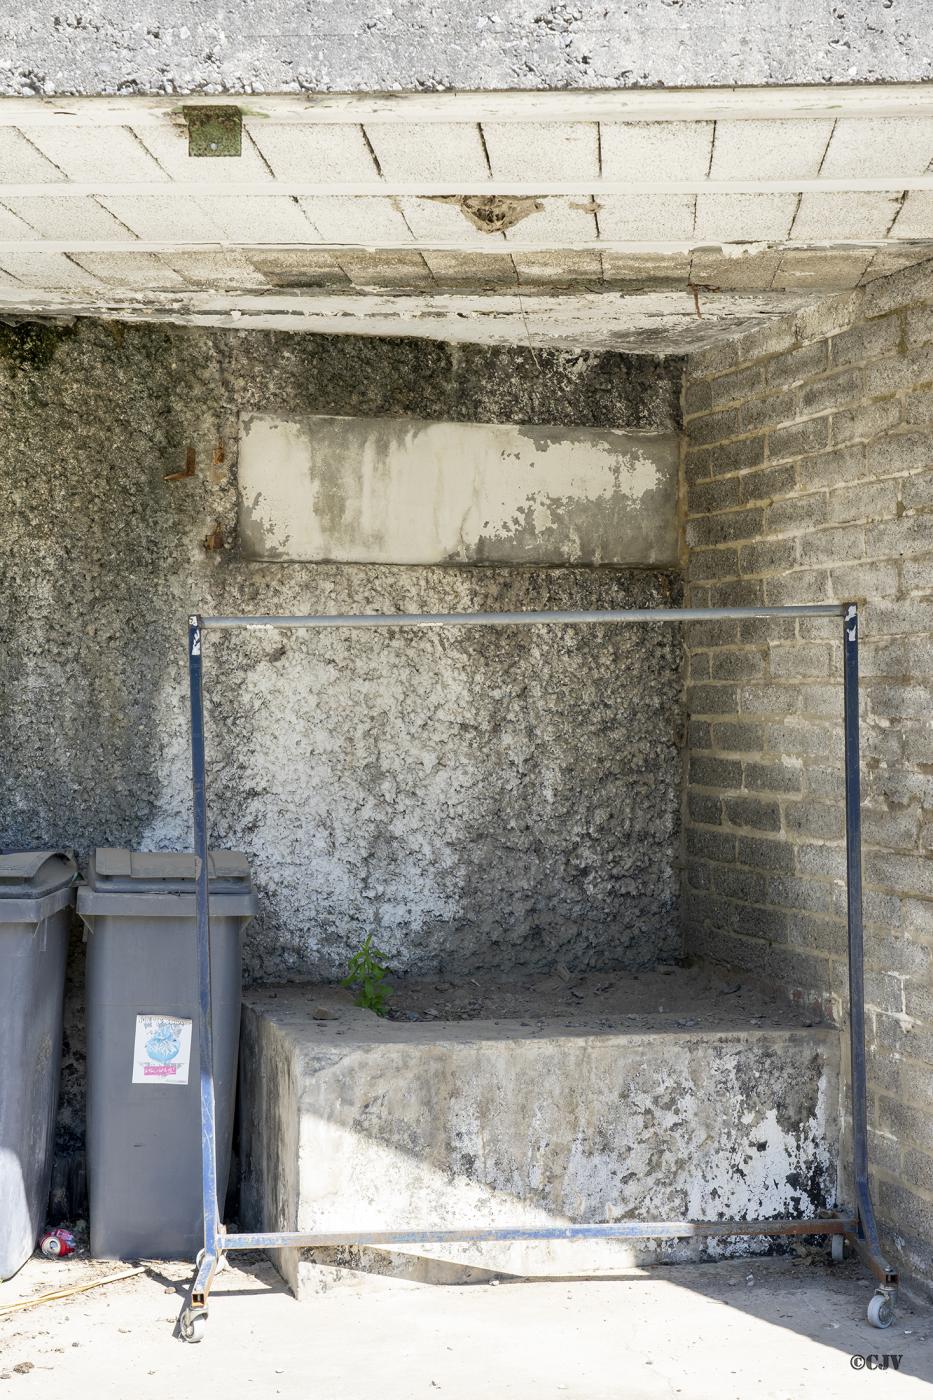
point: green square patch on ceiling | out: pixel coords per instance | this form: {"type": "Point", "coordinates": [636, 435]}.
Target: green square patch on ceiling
{"type": "Point", "coordinates": [214, 131]}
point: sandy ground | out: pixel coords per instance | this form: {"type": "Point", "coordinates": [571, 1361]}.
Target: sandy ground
{"type": "Point", "coordinates": [775, 1327]}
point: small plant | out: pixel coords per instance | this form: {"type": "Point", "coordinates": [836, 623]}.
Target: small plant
{"type": "Point", "coordinates": [367, 973]}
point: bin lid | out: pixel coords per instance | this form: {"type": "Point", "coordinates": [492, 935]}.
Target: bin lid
{"type": "Point", "coordinates": [31, 874]}
{"type": "Point", "coordinates": [170, 872]}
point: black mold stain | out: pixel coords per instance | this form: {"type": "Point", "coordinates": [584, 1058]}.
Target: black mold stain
{"type": "Point", "coordinates": [30, 346]}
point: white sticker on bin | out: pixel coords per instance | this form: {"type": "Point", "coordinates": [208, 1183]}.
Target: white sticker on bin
{"type": "Point", "coordinates": [162, 1049]}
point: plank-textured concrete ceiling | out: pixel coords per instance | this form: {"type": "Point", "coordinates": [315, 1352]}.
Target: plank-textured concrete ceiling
{"type": "Point", "coordinates": [644, 220]}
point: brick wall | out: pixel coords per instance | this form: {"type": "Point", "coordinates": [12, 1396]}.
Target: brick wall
{"type": "Point", "coordinates": [808, 476]}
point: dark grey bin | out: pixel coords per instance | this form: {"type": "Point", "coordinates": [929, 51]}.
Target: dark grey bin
{"type": "Point", "coordinates": [36, 895]}
{"type": "Point", "coordinates": [143, 1065]}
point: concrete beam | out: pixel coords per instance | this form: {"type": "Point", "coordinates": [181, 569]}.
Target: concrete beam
{"type": "Point", "coordinates": [405, 491]}
{"type": "Point", "coordinates": [114, 46]}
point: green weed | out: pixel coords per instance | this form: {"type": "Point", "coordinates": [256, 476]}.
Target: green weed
{"type": "Point", "coordinates": [366, 973]}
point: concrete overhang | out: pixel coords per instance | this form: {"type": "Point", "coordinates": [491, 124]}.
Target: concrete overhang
{"type": "Point", "coordinates": [639, 219]}
{"type": "Point", "coordinates": [186, 46]}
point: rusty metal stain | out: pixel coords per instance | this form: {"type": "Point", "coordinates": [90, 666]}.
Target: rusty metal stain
{"type": "Point", "coordinates": [218, 472]}
{"type": "Point", "coordinates": [191, 466]}
{"type": "Point", "coordinates": [696, 288]}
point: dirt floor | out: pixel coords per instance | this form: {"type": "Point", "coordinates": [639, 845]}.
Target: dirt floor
{"type": "Point", "coordinates": [785, 1328]}
{"type": "Point", "coordinates": [679, 997]}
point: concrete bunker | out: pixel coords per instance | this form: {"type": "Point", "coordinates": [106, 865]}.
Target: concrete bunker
{"type": "Point", "coordinates": [636, 335]}
{"type": "Point", "coordinates": [498, 808]}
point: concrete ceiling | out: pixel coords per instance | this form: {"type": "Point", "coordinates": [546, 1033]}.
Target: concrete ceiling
{"type": "Point", "coordinates": [643, 220]}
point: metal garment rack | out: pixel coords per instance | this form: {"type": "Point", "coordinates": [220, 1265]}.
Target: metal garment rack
{"type": "Point", "coordinates": [856, 1224]}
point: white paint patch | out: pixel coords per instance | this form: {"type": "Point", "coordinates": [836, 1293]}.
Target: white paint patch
{"type": "Point", "coordinates": [403, 491]}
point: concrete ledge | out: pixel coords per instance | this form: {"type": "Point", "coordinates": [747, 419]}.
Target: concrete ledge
{"type": "Point", "coordinates": [350, 1122]}
{"type": "Point", "coordinates": [299, 46]}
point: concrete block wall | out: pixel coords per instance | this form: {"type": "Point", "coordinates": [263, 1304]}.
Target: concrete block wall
{"type": "Point", "coordinates": [807, 476]}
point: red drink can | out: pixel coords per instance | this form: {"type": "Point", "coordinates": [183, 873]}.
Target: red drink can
{"type": "Point", "coordinates": [55, 1244]}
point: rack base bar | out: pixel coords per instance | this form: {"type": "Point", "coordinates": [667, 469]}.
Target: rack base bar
{"type": "Point", "coordinates": [869, 1252]}
{"type": "Point", "coordinates": [876, 1264]}
{"type": "Point", "coordinates": [620, 1230]}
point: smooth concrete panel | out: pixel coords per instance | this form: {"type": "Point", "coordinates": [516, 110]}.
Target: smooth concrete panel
{"type": "Point", "coordinates": [404, 491]}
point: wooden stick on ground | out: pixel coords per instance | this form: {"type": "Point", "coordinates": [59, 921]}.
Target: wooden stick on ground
{"type": "Point", "coordinates": [69, 1291]}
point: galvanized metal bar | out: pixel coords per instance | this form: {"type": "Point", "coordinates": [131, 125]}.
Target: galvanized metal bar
{"type": "Point", "coordinates": [618, 1230]}
{"type": "Point", "coordinates": [208, 1264]}
{"type": "Point", "coordinates": [854, 898]}
{"type": "Point", "coordinates": [870, 1255]}
{"type": "Point", "coordinates": [519, 619]}
{"type": "Point", "coordinates": [210, 1204]}
{"type": "Point", "coordinates": [868, 1230]}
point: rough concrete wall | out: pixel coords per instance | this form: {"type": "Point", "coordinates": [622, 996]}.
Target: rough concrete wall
{"type": "Point", "coordinates": [477, 798]}
{"type": "Point", "coordinates": [483, 798]}
{"type": "Point", "coordinates": [809, 476]}
{"type": "Point", "coordinates": [111, 46]}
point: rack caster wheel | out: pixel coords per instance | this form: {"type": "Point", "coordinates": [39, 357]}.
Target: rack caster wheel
{"type": "Point", "coordinates": [881, 1310]}
{"type": "Point", "coordinates": [193, 1326]}
{"type": "Point", "coordinates": [837, 1248]}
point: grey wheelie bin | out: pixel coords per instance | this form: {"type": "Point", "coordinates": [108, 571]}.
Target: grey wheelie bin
{"type": "Point", "coordinates": [36, 897]}
{"type": "Point", "coordinates": [143, 1065]}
